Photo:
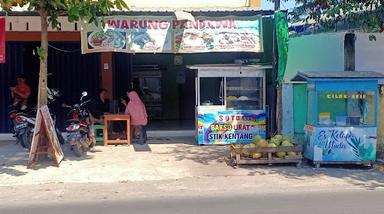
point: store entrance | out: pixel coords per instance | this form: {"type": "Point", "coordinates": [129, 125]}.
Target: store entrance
{"type": "Point", "coordinates": [169, 102]}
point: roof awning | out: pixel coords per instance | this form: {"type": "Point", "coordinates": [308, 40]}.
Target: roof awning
{"type": "Point", "coordinates": [305, 75]}
{"type": "Point", "coordinates": [220, 66]}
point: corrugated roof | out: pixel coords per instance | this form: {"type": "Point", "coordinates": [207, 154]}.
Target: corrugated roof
{"type": "Point", "coordinates": [212, 12]}
{"type": "Point", "coordinates": [218, 9]}
{"type": "Point", "coordinates": [215, 66]}
{"type": "Point", "coordinates": [166, 9]}
{"type": "Point", "coordinates": [22, 11]}
{"type": "Point", "coordinates": [304, 75]}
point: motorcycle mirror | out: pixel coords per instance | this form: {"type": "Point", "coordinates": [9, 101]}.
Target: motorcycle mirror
{"type": "Point", "coordinates": [56, 92]}
{"type": "Point", "coordinates": [84, 93]}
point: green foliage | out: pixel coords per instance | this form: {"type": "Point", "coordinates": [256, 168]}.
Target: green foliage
{"type": "Point", "coordinates": [90, 11]}
{"type": "Point", "coordinates": [8, 4]}
{"type": "Point", "coordinates": [41, 53]}
{"type": "Point", "coordinates": [367, 15]}
{"type": "Point", "coordinates": [87, 10]}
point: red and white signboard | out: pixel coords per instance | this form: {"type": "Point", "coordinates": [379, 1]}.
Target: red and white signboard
{"type": "Point", "coordinates": [2, 40]}
{"type": "Point", "coordinates": [164, 34]}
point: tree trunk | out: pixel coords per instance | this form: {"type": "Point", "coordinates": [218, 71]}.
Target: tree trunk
{"type": "Point", "coordinates": [43, 54]}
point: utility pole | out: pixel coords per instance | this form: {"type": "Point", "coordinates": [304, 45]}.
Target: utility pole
{"type": "Point", "coordinates": [275, 106]}
{"type": "Point", "coordinates": [277, 5]}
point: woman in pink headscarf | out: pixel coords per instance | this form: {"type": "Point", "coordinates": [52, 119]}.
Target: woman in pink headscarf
{"type": "Point", "coordinates": [136, 109]}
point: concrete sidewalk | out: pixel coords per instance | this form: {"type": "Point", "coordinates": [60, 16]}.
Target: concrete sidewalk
{"type": "Point", "coordinates": [171, 159]}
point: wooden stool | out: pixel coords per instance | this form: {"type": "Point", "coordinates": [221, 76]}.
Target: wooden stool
{"type": "Point", "coordinates": [117, 117]}
{"type": "Point", "coordinates": [99, 133]}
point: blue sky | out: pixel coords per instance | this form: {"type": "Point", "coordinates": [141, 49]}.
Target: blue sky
{"type": "Point", "coordinates": [268, 5]}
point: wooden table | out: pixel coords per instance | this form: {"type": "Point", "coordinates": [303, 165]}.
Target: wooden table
{"type": "Point", "coordinates": [117, 117]}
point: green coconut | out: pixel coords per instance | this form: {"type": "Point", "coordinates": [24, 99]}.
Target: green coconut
{"type": "Point", "coordinates": [281, 154]}
{"type": "Point", "coordinates": [285, 138]}
{"type": "Point", "coordinates": [262, 143]}
{"type": "Point", "coordinates": [279, 137]}
{"type": "Point", "coordinates": [257, 139]}
{"type": "Point", "coordinates": [287, 143]}
{"type": "Point", "coordinates": [275, 141]}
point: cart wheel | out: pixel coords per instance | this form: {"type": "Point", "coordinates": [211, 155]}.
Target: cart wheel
{"type": "Point", "coordinates": [371, 165]}
{"type": "Point", "coordinates": [299, 165]}
{"type": "Point", "coordinates": [232, 163]}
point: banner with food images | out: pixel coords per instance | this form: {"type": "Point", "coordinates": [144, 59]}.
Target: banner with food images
{"type": "Point", "coordinates": [165, 34]}
{"type": "Point", "coordinates": [218, 34]}
{"type": "Point", "coordinates": [128, 34]}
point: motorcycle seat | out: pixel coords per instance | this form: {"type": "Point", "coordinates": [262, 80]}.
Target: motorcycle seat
{"type": "Point", "coordinates": [23, 114]}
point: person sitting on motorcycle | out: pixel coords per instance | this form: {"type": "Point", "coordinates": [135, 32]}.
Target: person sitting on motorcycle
{"type": "Point", "coordinates": [99, 107]}
{"type": "Point", "coordinates": [21, 93]}
{"type": "Point", "coordinates": [136, 109]}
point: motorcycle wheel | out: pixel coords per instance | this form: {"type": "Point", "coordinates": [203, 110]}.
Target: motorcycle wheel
{"type": "Point", "coordinates": [27, 138]}
{"type": "Point", "coordinates": [60, 136]}
{"type": "Point", "coordinates": [20, 140]}
{"type": "Point", "coordinates": [77, 150]}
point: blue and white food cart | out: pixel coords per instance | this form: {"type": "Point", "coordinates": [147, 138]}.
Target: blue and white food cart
{"type": "Point", "coordinates": [230, 103]}
{"type": "Point", "coordinates": [341, 124]}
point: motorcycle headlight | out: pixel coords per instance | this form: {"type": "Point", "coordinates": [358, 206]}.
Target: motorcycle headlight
{"type": "Point", "coordinates": [19, 119]}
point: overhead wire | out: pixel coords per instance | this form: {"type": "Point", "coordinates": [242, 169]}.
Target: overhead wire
{"type": "Point", "coordinates": [62, 50]}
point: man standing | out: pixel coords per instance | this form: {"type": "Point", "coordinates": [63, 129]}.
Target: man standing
{"type": "Point", "coordinates": [21, 93]}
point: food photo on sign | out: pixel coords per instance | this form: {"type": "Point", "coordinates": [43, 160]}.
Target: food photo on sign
{"type": "Point", "coordinates": [164, 34]}
{"type": "Point", "coordinates": [109, 39]}
{"type": "Point", "coordinates": [150, 40]}
{"type": "Point", "coordinates": [207, 34]}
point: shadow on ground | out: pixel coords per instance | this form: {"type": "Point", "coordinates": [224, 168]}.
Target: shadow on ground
{"type": "Point", "coordinates": [206, 155]}
{"type": "Point", "coordinates": [365, 177]}
{"type": "Point", "coordinates": [187, 149]}
{"type": "Point", "coordinates": [13, 156]}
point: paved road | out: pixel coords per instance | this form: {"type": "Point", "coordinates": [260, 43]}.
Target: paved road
{"type": "Point", "coordinates": [344, 202]}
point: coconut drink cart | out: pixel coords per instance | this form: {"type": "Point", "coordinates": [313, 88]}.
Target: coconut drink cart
{"type": "Point", "coordinates": [230, 103]}
{"type": "Point", "coordinates": [341, 124]}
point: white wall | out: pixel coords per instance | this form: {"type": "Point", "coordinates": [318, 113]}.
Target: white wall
{"type": "Point", "coordinates": [320, 52]}
{"type": "Point", "coordinates": [315, 52]}
{"type": "Point", "coordinates": [369, 54]}
{"type": "Point", "coordinates": [19, 23]}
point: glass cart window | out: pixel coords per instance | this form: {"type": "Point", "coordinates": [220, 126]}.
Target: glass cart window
{"type": "Point", "coordinates": [346, 108]}
{"type": "Point", "coordinates": [211, 91]}
{"type": "Point", "coordinates": [245, 93]}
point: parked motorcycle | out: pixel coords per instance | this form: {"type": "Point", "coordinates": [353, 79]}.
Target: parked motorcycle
{"type": "Point", "coordinates": [25, 121]}
{"type": "Point", "coordinates": [78, 127]}
{"type": "Point", "coordinates": [18, 124]}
